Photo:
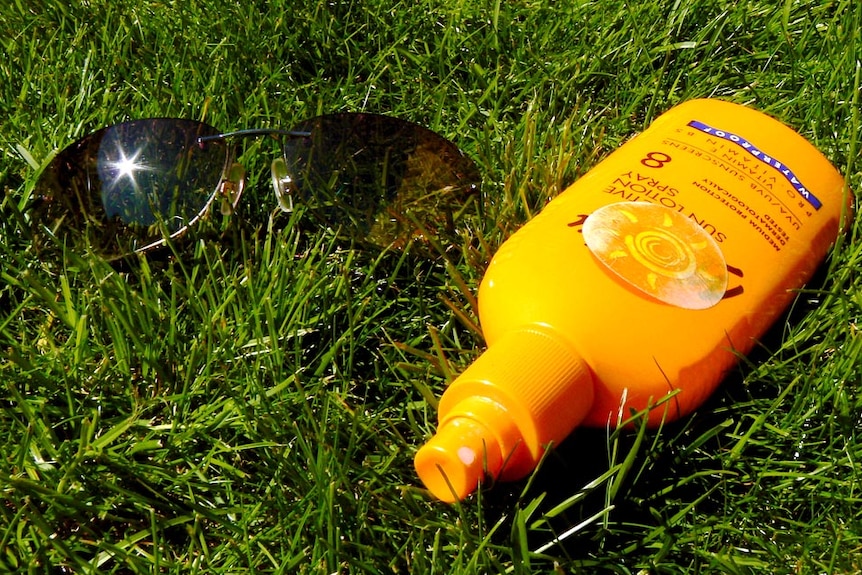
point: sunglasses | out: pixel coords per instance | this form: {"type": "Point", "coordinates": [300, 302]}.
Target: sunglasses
{"type": "Point", "coordinates": [132, 186]}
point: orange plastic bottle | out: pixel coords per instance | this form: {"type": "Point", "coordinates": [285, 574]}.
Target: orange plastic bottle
{"type": "Point", "coordinates": [645, 277]}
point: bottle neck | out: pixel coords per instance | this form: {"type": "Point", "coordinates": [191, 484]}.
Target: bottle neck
{"type": "Point", "coordinates": [528, 390]}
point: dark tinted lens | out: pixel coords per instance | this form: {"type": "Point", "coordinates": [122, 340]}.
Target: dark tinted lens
{"type": "Point", "coordinates": [128, 185]}
{"type": "Point", "coordinates": [385, 178]}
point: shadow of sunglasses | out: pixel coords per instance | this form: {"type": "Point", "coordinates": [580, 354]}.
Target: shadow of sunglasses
{"type": "Point", "coordinates": [129, 187]}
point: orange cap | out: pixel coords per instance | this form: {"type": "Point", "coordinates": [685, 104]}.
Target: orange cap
{"type": "Point", "coordinates": [529, 389]}
{"type": "Point", "coordinates": [471, 443]}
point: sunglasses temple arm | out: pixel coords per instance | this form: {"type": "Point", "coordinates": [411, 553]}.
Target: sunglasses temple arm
{"type": "Point", "coordinates": [254, 132]}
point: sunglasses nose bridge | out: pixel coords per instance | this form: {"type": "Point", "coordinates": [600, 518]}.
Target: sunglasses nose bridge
{"type": "Point", "coordinates": [282, 184]}
{"type": "Point", "coordinates": [231, 187]}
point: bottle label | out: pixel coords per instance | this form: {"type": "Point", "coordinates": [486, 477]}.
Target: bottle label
{"type": "Point", "coordinates": [658, 251]}
{"type": "Point", "coordinates": [761, 156]}
{"type": "Point", "coordinates": [686, 210]}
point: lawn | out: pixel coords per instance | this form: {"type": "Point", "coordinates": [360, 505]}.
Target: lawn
{"type": "Point", "coordinates": [250, 400]}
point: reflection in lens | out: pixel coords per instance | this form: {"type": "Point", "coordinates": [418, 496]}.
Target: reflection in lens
{"type": "Point", "coordinates": [380, 178]}
{"type": "Point", "coordinates": [129, 185]}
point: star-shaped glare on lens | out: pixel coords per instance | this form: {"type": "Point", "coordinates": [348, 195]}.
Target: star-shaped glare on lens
{"type": "Point", "coordinates": [126, 167]}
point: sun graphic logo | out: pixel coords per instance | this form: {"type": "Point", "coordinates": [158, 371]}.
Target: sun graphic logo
{"type": "Point", "coordinates": [660, 252]}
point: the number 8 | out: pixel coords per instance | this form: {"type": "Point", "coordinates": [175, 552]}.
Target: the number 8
{"type": "Point", "coordinates": [655, 160]}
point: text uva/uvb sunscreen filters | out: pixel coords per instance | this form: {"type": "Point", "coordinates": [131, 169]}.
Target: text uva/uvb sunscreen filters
{"type": "Point", "coordinates": [646, 277]}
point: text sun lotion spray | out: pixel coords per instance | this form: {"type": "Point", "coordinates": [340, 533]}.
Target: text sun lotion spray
{"type": "Point", "coordinates": [645, 277]}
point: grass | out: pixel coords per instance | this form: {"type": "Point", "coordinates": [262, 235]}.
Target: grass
{"type": "Point", "coordinates": [251, 404]}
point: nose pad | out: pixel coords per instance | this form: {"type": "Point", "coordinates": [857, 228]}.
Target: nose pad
{"type": "Point", "coordinates": [283, 184]}
{"type": "Point", "coordinates": [231, 188]}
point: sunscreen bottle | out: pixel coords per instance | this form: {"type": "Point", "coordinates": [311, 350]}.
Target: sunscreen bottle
{"type": "Point", "coordinates": [646, 277]}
